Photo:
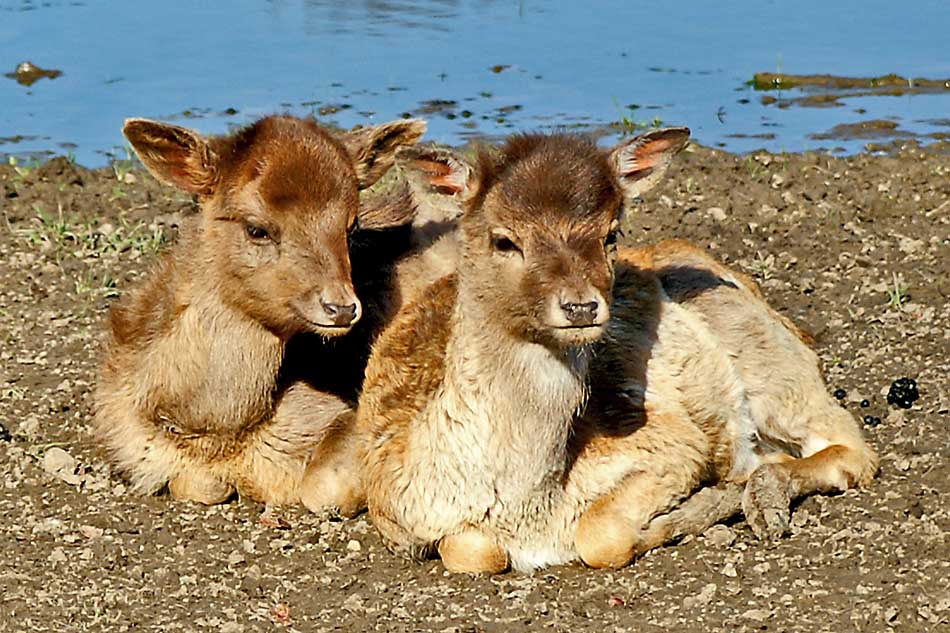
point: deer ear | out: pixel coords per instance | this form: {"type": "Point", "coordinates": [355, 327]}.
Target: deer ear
{"type": "Point", "coordinates": [641, 162]}
{"type": "Point", "coordinates": [174, 155]}
{"type": "Point", "coordinates": [373, 149]}
{"type": "Point", "coordinates": [440, 180]}
{"type": "Point", "coordinates": [436, 171]}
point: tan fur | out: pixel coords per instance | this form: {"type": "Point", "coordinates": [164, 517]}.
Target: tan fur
{"type": "Point", "coordinates": [481, 411]}
{"type": "Point", "coordinates": [472, 551]}
{"type": "Point", "coordinates": [223, 370]}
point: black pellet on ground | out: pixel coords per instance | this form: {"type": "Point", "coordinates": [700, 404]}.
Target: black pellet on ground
{"type": "Point", "coordinates": [872, 420]}
{"type": "Point", "coordinates": [903, 393]}
{"type": "Point", "coordinates": [840, 394]}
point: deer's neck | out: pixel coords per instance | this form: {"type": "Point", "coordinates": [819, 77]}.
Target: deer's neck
{"type": "Point", "coordinates": [225, 363]}
{"type": "Point", "coordinates": [514, 399]}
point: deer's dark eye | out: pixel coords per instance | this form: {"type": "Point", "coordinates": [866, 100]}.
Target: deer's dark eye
{"type": "Point", "coordinates": [256, 233]}
{"type": "Point", "coordinates": [503, 244]}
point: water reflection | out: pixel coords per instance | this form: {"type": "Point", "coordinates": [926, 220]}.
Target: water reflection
{"type": "Point", "coordinates": [377, 18]}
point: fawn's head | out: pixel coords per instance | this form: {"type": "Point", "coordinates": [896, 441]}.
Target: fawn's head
{"type": "Point", "coordinates": [278, 199]}
{"type": "Point", "coordinates": [540, 223]}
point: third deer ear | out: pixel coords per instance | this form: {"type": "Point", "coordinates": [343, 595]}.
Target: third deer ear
{"type": "Point", "coordinates": [641, 162]}
{"type": "Point", "coordinates": [174, 155]}
{"type": "Point", "coordinates": [440, 181]}
{"type": "Point", "coordinates": [436, 171]}
{"type": "Point", "coordinates": [373, 149]}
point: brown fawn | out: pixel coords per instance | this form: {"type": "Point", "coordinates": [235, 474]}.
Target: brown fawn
{"type": "Point", "coordinates": [557, 397]}
{"type": "Point", "coordinates": [210, 383]}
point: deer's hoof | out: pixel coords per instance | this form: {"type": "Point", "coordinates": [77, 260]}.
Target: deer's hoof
{"type": "Point", "coordinates": [766, 501]}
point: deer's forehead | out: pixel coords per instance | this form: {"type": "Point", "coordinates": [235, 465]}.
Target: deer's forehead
{"type": "Point", "coordinates": [559, 191]}
{"type": "Point", "coordinates": [307, 182]}
{"type": "Point", "coordinates": [566, 215]}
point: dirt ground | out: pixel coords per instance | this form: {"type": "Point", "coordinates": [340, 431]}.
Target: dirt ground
{"type": "Point", "coordinates": [855, 249]}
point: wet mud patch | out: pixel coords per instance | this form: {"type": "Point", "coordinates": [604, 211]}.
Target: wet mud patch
{"type": "Point", "coordinates": [855, 249]}
{"type": "Point", "coordinates": [28, 73]}
{"type": "Point", "coordinates": [875, 129]}
{"type": "Point", "coordinates": [824, 91]}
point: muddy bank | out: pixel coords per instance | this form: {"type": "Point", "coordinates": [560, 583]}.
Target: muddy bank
{"type": "Point", "coordinates": [855, 249]}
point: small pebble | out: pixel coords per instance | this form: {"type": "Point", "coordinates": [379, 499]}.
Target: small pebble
{"type": "Point", "coordinates": [56, 461]}
{"type": "Point", "coordinates": [720, 536]}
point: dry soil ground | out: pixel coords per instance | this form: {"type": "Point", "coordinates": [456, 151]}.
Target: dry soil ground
{"type": "Point", "coordinates": [855, 249]}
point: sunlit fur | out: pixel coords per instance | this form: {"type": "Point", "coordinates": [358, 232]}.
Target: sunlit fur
{"type": "Point", "coordinates": [194, 390]}
{"type": "Point", "coordinates": [492, 440]}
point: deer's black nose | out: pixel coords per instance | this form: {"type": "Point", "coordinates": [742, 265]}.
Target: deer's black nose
{"type": "Point", "coordinates": [340, 314]}
{"type": "Point", "coordinates": [580, 313]}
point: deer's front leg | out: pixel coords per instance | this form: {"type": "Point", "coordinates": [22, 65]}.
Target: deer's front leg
{"type": "Point", "coordinates": [668, 458]}
{"type": "Point", "coordinates": [202, 487]}
{"type": "Point", "coordinates": [474, 551]}
{"type": "Point", "coordinates": [333, 478]}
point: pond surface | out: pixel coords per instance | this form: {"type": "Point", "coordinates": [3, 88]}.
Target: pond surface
{"type": "Point", "coordinates": [472, 67]}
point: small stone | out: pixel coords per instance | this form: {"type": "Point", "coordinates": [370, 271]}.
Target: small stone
{"type": "Point", "coordinates": [756, 614]}
{"type": "Point", "coordinates": [729, 570]}
{"type": "Point", "coordinates": [701, 599]}
{"type": "Point", "coordinates": [353, 545]}
{"type": "Point", "coordinates": [720, 536]}
{"type": "Point", "coordinates": [30, 427]}
{"type": "Point", "coordinates": [271, 519]}
{"type": "Point", "coordinates": [716, 213]}
{"type": "Point", "coordinates": [353, 603]}
{"type": "Point", "coordinates": [235, 558]}
{"type": "Point", "coordinates": [57, 556]}
{"type": "Point", "coordinates": [56, 461]}
{"type": "Point", "coordinates": [91, 531]}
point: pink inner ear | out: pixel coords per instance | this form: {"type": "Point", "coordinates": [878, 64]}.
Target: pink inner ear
{"type": "Point", "coordinates": [439, 175]}
{"type": "Point", "coordinates": [645, 157]}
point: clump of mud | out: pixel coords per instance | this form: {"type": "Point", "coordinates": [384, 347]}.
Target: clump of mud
{"type": "Point", "coordinates": [28, 73]}
{"type": "Point", "coordinates": [822, 91]}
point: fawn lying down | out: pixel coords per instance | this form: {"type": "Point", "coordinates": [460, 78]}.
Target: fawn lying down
{"type": "Point", "coordinates": [195, 390]}
{"type": "Point", "coordinates": [555, 396]}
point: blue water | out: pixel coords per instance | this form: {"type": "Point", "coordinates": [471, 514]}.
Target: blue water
{"type": "Point", "coordinates": [214, 65]}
